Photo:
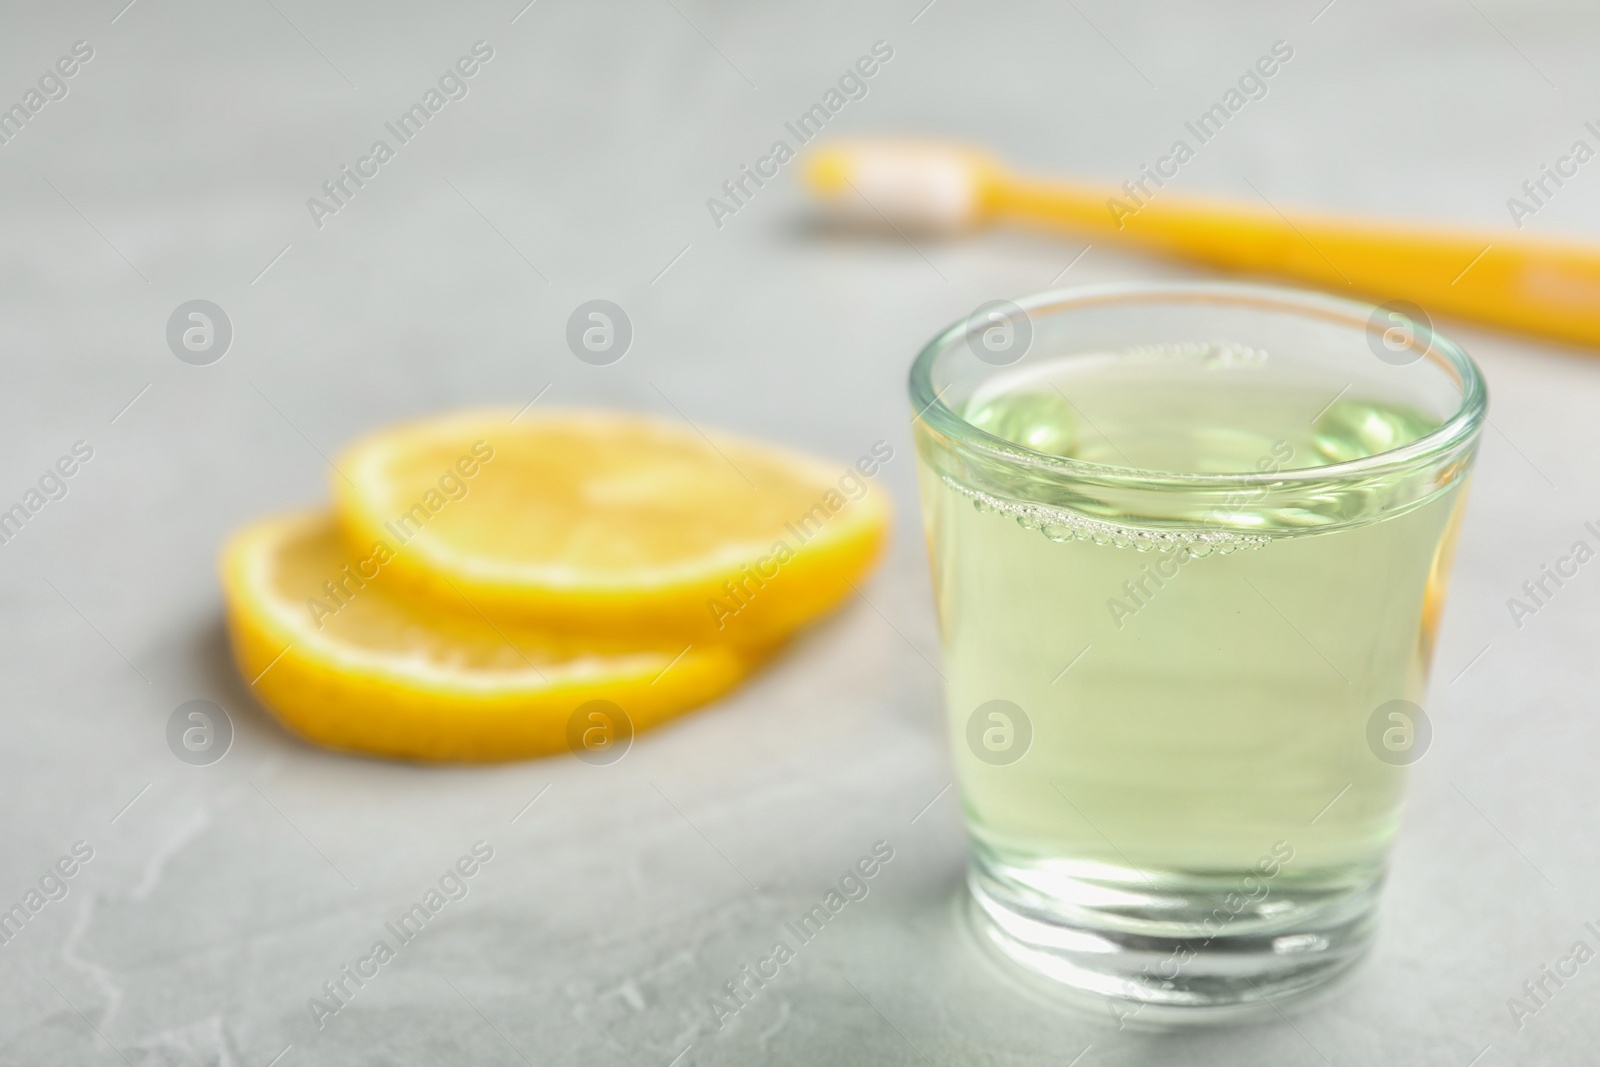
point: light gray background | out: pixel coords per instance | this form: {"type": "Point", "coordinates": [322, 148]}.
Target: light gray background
{"type": "Point", "coordinates": [219, 901]}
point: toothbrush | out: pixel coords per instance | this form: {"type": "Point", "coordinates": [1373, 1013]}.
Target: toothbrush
{"type": "Point", "coordinates": [1540, 285]}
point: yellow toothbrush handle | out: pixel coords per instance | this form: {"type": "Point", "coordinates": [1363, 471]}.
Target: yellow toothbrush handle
{"type": "Point", "coordinates": [1536, 284]}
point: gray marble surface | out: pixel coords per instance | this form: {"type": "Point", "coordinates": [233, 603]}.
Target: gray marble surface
{"type": "Point", "coordinates": [219, 898]}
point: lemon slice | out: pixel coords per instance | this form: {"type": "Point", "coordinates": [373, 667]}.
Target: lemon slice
{"type": "Point", "coordinates": [613, 523]}
{"type": "Point", "coordinates": [343, 661]}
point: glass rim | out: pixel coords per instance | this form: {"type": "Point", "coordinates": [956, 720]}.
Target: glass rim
{"type": "Point", "coordinates": [1458, 429]}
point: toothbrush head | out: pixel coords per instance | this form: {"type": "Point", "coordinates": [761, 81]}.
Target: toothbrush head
{"type": "Point", "coordinates": [913, 185]}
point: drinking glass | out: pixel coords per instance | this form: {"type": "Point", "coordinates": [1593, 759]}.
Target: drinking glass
{"type": "Point", "coordinates": [1190, 545]}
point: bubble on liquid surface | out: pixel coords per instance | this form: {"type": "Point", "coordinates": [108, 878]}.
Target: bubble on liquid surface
{"type": "Point", "coordinates": [1060, 525]}
{"type": "Point", "coordinates": [1189, 417]}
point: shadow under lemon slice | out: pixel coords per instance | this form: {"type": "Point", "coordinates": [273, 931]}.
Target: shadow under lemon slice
{"type": "Point", "coordinates": [611, 523]}
{"type": "Point", "coordinates": [344, 657]}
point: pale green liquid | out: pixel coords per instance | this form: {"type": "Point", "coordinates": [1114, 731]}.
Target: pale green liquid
{"type": "Point", "coordinates": [1226, 707]}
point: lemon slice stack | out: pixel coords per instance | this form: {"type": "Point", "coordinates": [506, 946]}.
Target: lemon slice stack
{"type": "Point", "coordinates": [484, 579]}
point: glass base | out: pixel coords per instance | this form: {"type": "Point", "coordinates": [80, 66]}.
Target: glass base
{"type": "Point", "coordinates": [1187, 947]}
